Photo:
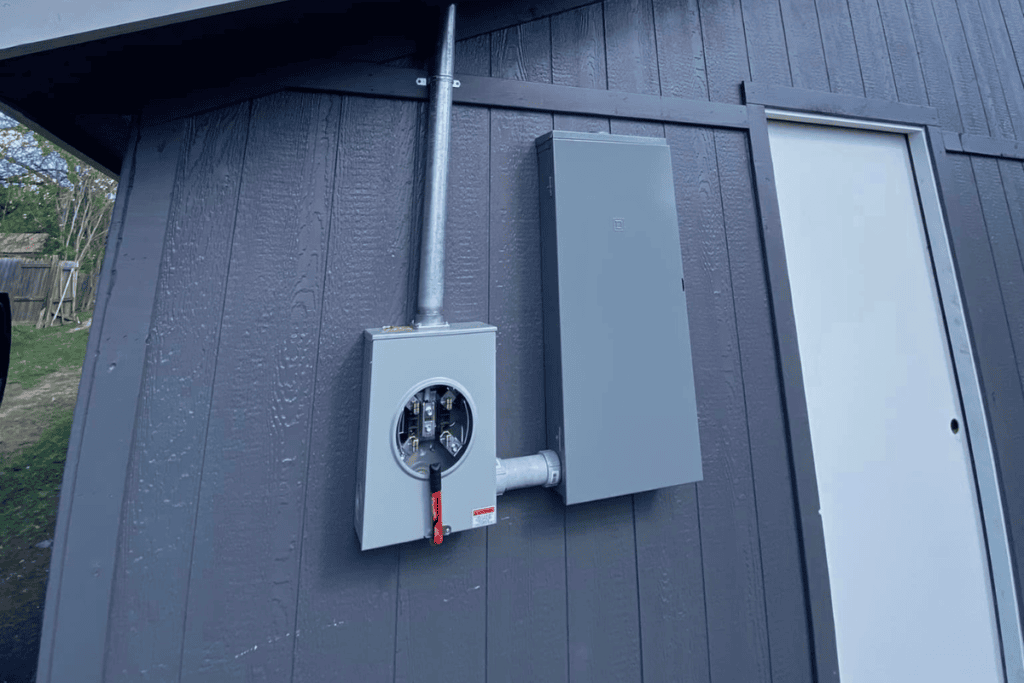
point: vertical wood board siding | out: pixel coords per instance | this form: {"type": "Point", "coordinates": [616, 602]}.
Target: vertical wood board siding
{"type": "Point", "coordinates": [240, 619]}
{"type": "Point", "coordinates": [872, 51]}
{"type": "Point", "coordinates": [155, 548]}
{"type": "Point", "coordinates": [347, 598]}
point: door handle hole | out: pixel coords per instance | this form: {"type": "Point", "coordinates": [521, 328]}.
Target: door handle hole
{"type": "Point", "coordinates": [954, 425]}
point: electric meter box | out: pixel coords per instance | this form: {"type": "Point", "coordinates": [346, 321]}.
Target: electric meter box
{"type": "Point", "coordinates": [428, 397]}
{"type": "Point", "coordinates": [620, 399]}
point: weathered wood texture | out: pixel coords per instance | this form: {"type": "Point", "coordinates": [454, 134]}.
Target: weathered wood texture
{"type": "Point", "coordinates": [295, 224]}
{"type": "Point", "coordinates": [27, 282]}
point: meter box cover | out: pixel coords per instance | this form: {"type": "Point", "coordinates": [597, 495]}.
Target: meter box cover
{"type": "Point", "coordinates": [620, 400]}
{"type": "Point", "coordinates": [428, 398]}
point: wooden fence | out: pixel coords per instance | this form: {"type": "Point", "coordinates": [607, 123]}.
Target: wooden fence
{"type": "Point", "coordinates": [28, 281]}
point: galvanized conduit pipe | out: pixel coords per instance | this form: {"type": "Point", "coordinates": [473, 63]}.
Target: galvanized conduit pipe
{"type": "Point", "coordinates": [541, 469]}
{"type": "Point", "coordinates": [435, 204]}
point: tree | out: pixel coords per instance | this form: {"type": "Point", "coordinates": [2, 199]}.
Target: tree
{"type": "Point", "coordinates": [22, 210]}
{"type": "Point", "coordinates": [45, 189]}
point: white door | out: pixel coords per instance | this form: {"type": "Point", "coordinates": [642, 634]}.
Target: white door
{"type": "Point", "coordinates": [911, 591]}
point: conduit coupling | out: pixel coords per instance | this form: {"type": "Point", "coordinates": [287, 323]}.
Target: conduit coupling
{"type": "Point", "coordinates": [541, 469]}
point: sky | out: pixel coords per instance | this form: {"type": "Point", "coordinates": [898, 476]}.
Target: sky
{"type": "Point", "coordinates": [28, 147]}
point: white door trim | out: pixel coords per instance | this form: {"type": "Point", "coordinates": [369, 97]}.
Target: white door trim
{"type": "Point", "coordinates": [962, 354]}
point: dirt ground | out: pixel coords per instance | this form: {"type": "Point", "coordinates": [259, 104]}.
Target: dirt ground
{"type": "Point", "coordinates": [26, 413]}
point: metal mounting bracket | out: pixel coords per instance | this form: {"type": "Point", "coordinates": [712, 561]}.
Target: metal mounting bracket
{"type": "Point", "coordinates": [423, 81]}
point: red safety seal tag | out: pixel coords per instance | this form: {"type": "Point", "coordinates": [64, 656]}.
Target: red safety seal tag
{"type": "Point", "coordinates": [435, 503]}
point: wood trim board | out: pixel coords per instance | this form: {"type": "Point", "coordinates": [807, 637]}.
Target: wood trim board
{"type": "Point", "coordinates": [819, 600]}
{"type": "Point", "coordinates": [781, 97]}
{"type": "Point", "coordinates": [374, 80]}
{"type": "Point", "coordinates": [981, 145]}
{"type": "Point", "coordinates": [78, 593]}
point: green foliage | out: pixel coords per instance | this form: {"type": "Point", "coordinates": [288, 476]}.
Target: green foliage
{"type": "Point", "coordinates": [30, 485]}
{"type": "Point", "coordinates": [45, 189]}
{"type": "Point", "coordinates": [24, 209]}
{"type": "Point", "coordinates": [37, 353]}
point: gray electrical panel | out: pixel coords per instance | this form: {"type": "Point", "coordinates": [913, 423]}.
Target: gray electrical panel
{"type": "Point", "coordinates": [621, 407]}
{"type": "Point", "coordinates": [428, 397]}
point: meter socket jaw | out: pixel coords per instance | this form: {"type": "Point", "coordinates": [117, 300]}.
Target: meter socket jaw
{"type": "Point", "coordinates": [434, 426]}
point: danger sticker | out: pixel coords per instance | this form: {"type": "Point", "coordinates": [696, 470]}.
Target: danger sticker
{"type": "Point", "coordinates": [484, 516]}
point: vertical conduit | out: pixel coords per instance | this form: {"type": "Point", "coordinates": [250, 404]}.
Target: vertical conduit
{"type": "Point", "coordinates": [431, 285]}
{"type": "Point", "coordinates": [544, 468]}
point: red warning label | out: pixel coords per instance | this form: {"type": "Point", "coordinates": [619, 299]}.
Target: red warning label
{"type": "Point", "coordinates": [484, 516]}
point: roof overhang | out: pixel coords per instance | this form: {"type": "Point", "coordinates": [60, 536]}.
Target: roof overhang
{"type": "Point", "coordinates": [49, 24]}
{"type": "Point", "coordinates": [77, 77]}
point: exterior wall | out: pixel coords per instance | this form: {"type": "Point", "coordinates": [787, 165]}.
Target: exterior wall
{"type": "Point", "coordinates": [262, 238]}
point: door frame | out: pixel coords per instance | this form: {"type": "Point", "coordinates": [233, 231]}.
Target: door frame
{"type": "Point", "coordinates": [926, 149]}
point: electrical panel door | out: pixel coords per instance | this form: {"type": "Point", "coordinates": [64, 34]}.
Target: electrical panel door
{"type": "Point", "coordinates": [621, 406]}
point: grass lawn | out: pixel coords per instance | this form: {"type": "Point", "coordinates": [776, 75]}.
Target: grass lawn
{"type": "Point", "coordinates": [29, 491]}
{"type": "Point", "coordinates": [30, 484]}
{"type": "Point", "coordinates": [30, 481]}
{"type": "Point", "coordinates": [37, 353]}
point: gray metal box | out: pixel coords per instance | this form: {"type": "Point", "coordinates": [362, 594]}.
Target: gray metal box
{"type": "Point", "coordinates": [392, 501]}
{"type": "Point", "coordinates": [621, 407]}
